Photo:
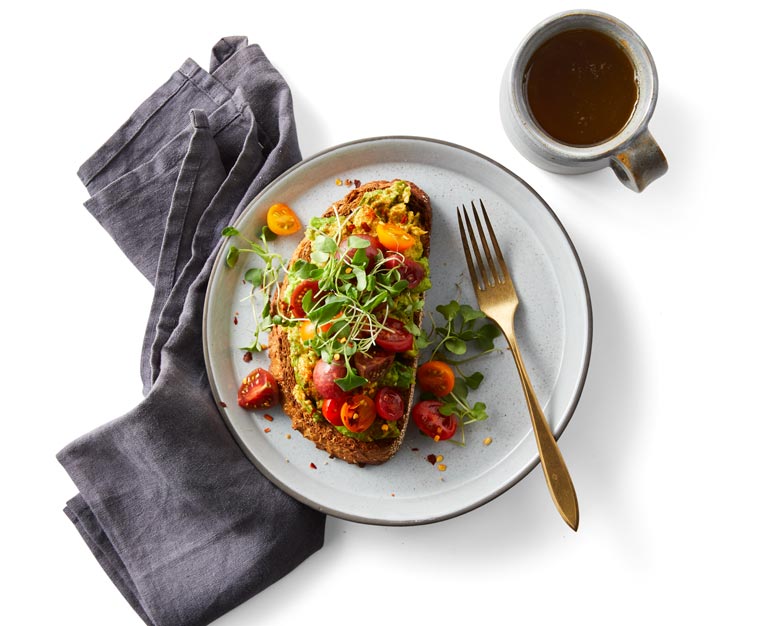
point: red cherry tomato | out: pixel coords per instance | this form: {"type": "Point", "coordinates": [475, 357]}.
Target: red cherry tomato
{"type": "Point", "coordinates": [410, 270]}
{"type": "Point", "coordinates": [331, 408]}
{"type": "Point", "coordinates": [358, 413]}
{"type": "Point", "coordinates": [395, 337]}
{"type": "Point", "coordinates": [324, 375]}
{"type": "Point", "coordinates": [428, 419]}
{"type": "Point", "coordinates": [436, 377]}
{"type": "Point", "coordinates": [371, 250]}
{"type": "Point", "coordinates": [389, 404]}
{"type": "Point", "coordinates": [373, 363]}
{"type": "Point", "coordinates": [258, 390]}
{"type": "Point", "coordinates": [295, 304]}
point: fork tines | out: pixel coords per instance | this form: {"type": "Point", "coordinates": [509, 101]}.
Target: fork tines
{"type": "Point", "coordinates": [491, 273]}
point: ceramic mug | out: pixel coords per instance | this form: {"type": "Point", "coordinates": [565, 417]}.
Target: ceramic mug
{"type": "Point", "coordinates": [632, 153]}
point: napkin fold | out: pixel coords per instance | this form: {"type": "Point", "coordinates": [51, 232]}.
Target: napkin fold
{"type": "Point", "coordinates": [180, 520]}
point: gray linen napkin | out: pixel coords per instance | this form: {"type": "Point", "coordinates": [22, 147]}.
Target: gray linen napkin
{"type": "Point", "coordinates": [181, 521]}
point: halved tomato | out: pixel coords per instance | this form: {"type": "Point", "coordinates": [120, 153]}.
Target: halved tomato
{"type": "Point", "coordinates": [395, 337]}
{"type": "Point", "coordinates": [258, 390]}
{"type": "Point", "coordinates": [430, 421]}
{"type": "Point", "coordinates": [436, 377]}
{"type": "Point", "coordinates": [358, 413]}
{"type": "Point", "coordinates": [393, 237]}
{"type": "Point", "coordinates": [282, 220]}
{"type": "Point", "coordinates": [331, 408]}
{"type": "Point", "coordinates": [410, 270]}
{"type": "Point", "coordinates": [295, 303]}
{"type": "Point", "coordinates": [308, 329]}
{"type": "Point", "coordinates": [389, 404]}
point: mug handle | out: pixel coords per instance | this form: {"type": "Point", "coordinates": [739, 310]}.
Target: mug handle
{"type": "Point", "coordinates": [640, 163]}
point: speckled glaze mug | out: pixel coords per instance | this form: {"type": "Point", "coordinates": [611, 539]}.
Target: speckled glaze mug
{"type": "Point", "coordinates": [632, 153]}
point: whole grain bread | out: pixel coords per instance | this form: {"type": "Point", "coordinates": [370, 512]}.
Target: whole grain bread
{"type": "Point", "coordinates": [323, 434]}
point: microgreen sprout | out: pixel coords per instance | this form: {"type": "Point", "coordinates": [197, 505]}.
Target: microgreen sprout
{"type": "Point", "coordinates": [465, 333]}
{"type": "Point", "coordinates": [262, 280]}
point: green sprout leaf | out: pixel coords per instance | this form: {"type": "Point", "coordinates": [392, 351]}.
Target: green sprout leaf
{"type": "Point", "coordinates": [232, 256]}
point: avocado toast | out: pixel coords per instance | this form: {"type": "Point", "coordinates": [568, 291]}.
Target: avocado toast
{"type": "Point", "coordinates": [353, 296]}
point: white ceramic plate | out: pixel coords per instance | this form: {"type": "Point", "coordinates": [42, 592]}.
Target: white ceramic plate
{"type": "Point", "coordinates": [553, 324]}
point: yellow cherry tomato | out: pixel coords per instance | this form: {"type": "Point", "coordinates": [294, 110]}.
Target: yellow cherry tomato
{"type": "Point", "coordinates": [308, 330]}
{"type": "Point", "coordinates": [358, 413]}
{"type": "Point", "coordinates": [436, 377]}
{"type": "Point", "coordinates": [393, 237]}
{"type": "Point", "coordinates": [282, 220]}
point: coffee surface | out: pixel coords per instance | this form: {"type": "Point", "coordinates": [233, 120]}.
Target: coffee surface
{"type": "Point", "coordinates": [581, 87]}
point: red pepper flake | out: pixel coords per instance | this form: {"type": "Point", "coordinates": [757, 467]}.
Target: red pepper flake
{"type": "Point", "coordinates": [431, 458]}
{"type": "Point", "coordinates": [348, 182]}
{"type": "Point", "coordinates": [235, 320]}
{"type": "Point", "coordinates": [392, 495]}
{"type": "Point", "coordinates": [247, 356]}
{"type": "Point", "coordinates": [403, 219]}
{"type": "Point", "coordinates": [365, 227]}
{"type": "Point", "coordinates": [267, 430]}
{"type": "Point", "coordinates": [312, 466]}
{"type": "Point", "coordinates": [268, 417]}
{"type": "Point", "coordinates": [222, 404]}
{"type": "Point", "coordinates": [415, 449]}
{"type": "Point", "coordinates": [356, 183]}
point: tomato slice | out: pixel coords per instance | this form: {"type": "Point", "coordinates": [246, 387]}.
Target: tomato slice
{"type": "Point", "coordinates": [393, 237]}
{"type": "Point", "coordinates": [410, 270]}
{"type": "Point", "coordinates": [436, 377]}
{"type": "Point", "coordinates": [295, 303]}
{"type": "Point", "coordinates": [358, 413]}
{"type": "Point", "coordinates": [308, 329]}
{"type": "Point", "coordinates": [332, 408]}
{"type": "Point", "coordinates": [428, 419]}
{"type": "Point", "coordinates": [258, 390]}
{"type": "Point", "coordinates": [282, 220]}
{"type": "Point", "coordinates": [395, 337]}
{"type": "Point", "coordinates": [389, 404]}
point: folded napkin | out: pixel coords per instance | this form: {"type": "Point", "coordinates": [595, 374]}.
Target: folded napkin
{"type": "Point", "coordinates": [177, 516]}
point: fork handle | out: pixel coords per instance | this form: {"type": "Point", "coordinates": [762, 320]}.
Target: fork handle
{"type": "Point", "coordinates": [555, 469]}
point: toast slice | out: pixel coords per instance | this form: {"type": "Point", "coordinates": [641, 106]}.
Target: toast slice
{"type": "Point", "coordinates": [307, 422]}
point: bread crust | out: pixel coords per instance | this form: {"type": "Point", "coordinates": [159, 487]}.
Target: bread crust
{"type": "Point", "coordinates": [323, 434]}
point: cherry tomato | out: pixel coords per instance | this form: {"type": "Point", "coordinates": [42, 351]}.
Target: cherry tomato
{"type": "Point", "coordinates": [436, 377]}
{"type": "Point", "coordinates": [373, 363]}
{"type": "Point", "coordinates": [428, 419]}
{"type": "Point", "coordinates": [295, 304]}
{"type": "Point", "coordinates": [371, 250]}
{"type": "Point", "coordinates": [258, 390]}
{"type": "Point", "coordinates": [308, 330]}
{"type": "Point", "coordinates": [358, 413]}
{"type": "Point", "coordinates": [389, 404]}
{"type": "Point", "coordinates": [394, 338]}
{"type": "Point", "coordinates": [410, 270]}
{"type": "Point", "coordinates": [324, 375]}
{"type": "Point", "coordinates": [331, 408]}
{"type": "Point", "coordinates": [282, 220]}
{"type": "Point", "coordinates": [393, 237]}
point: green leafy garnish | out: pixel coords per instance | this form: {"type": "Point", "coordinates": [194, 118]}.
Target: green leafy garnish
{"type": "Point", "coordinates": [466, 332]}
{"type": "Point", "coordinates": [262, 280]}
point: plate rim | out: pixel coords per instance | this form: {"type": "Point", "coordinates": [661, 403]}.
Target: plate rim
{"type": "Point", "coordinates": [369, 519]}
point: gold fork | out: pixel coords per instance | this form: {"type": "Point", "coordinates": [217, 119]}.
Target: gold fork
{"type": "Point", "coordinates": [497, 298]}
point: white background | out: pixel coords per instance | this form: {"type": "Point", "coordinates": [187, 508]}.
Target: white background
{"type": "Point", "coordinates": [668, 445]}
